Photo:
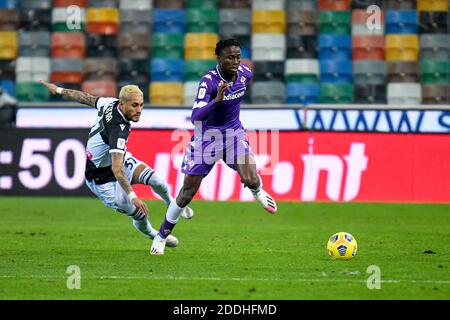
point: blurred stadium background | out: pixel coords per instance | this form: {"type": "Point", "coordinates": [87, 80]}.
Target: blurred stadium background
{"type": "Point", "coordinates": [363, 111]}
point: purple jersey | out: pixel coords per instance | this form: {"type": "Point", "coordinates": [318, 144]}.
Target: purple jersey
{"type": "Point", "coordinates": [225, 115]}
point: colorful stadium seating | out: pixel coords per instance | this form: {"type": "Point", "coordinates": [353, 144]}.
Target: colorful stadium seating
{"type": "Point", "coordinates": [300, 51]}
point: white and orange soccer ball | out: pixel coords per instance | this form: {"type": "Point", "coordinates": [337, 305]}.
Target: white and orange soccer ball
{"type": "Point", "coordinates": [342, 246]}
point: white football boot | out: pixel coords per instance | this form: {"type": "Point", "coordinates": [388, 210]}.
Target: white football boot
{"type": "Point", "coordinates": [158, 246]}
{"type": "Point", "coordinates": [266, 201]}
{"type": "Point", "coordinates": [187, 213]}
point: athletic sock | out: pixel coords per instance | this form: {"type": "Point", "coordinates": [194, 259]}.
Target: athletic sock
{"type": "Point", "coordinates": [170, 220]}
{"type": "Point", "coordinates": [149, 177]}
{"type": "Point", "coordinates": [141, 223]}
{"type": "Point", "coordinates": [255, 191]}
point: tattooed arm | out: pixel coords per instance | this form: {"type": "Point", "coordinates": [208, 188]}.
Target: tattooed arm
{"type": "Point", "coordinates": [73, 95]}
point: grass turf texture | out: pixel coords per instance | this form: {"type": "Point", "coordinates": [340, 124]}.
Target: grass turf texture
{"type": "Point", "coordinates": [227, 251]}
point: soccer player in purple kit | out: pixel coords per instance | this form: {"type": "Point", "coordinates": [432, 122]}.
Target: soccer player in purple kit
{"type": "Point", "coordinates": [218, 134]}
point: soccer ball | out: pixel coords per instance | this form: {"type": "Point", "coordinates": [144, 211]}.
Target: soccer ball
{"type": "Point", "coordinates": [342, 246]}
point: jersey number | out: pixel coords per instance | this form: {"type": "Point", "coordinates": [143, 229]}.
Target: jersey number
{"type": "Point", "coordinates": [129, 163]}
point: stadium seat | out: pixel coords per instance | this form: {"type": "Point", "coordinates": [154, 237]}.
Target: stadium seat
{"type": "Point", "coordinates": [68, 45]}
{"type": "Point", "coordinates": [404, 93]}
{"type": "Point", "coordinates": [336, 71]}
{"type": "Point", "coordinates": [103, 3]}
{"type": "Point", "coordinates": [433, 22]}
{"type": "Point", "coordinates": [134, 45]}
{"type": "Point", "coordinates": [303, 5]}
{"type": "Point", "coordinates": [202, 20]}
{"type": "Point", "coordinates": [101, 45]}
{"type": "Point", "coordinates": [401, 4]}
{"type": "Point", "coordinates": [302, 70]}
{"type": "Point", "coordinates": [435, 46]}
{"type": "Point", "coordinates": [268, 92]}
{"type": "Point", "coordinates": [8, 45]}
{"type": "Point", "coordinates": [100, 69]}
{"type": "Point", "coordinates": [63, 20]}
{"type": "Point", "coordinates": [195, 69]}
{"type": "Point", "coordinates": [432, 5]}
{"type": "Point", "coordinates": [131, 69]}
{"type": "Point", "coordinates": [169, 21]}
{"type": "Point", "coordinates": [136, 5]}
{"type": "Point", "coordinates": [190, 92]}
{"type": "Point", "coordinates": [370, 94]}
{"type": "Point", "coordinates": [301, 47]}
{"type": "Point", "coordinates": [102, 20]}
{"type": "Point", "coordinates": [31, 92]}
{"type": "Point", "coordinates": [9, 4]}
{"type": "Point", "coordinates": [359, 23]}
{"type": "Point", "coordinates": [99, 88]}
{"type": "Point", "coordinates": [402, 71]}
{"type": "Point", "coordinates": [268, 21]}
{"type": "Point", "coordinates": [341, 5]}
{"type": "Point", "coordinates": [68, 3]}
{"type": "Point", "coordinates": [200, 46]}
{"type": "Point", "coordinates": [135, 21]}
{"type": "Point", "coordinates": [7, 86]}
{"type": "Point", "coordinates": [7, 69]}
{"type": "Point", "coordinates": [302, 93]}
{"type": "Point", "coordinates": [167, 70]}
{"type": "Point", "coordinates": [368, 47]}
{"type": "Point", "coordinates": [167, 93]}
{"type": "Point", "coordinates": [66, 70]}
{"type": "Point", "coordinates": [235, 4]}
{"type": "Point", "coordinates": [364, 4]}
{"type": "Point", "coordinates": [201, 4]}
{"type": "Point", "coordinates": [268, 71]}
{"type": "Point", "coordinates": [247, 62]}
{"type": "Point", "coordinates": [335, 47]}
{"type": "Point", "coordinates": [9, 19]}
{"type": "Point", "coordinates": [235, 21]}
{"type": "Point", "coordinates": [34, 44]}
{"type": "Point", "coordinates": [36, 4]}
{"type": "Point", "coordinates": [32, 69]}
{"type": "Point", "coordinates": [169, 4]}
{"type": "Point", "coordinates": [268, 47]}
{"type": "Point", "coordinates": [401, 21]}
{"type": "Point", "coordinates": [435, 72]}
{"type": "Point", "coordinates": [403, 47]}
{"type": "Point", "coordinates": [168, 45]}
{"type": "Point", "coordinates": [35, 19]}
{"type": "Point", "coordinates": [267, 5]}
{"type": "Point", "coordinates": [335, 22]}
{"type": "Point", "coordinates": [336, 93]}
{"type": "Point", "coordinates": [301, 22]}
{"type": "Point", "coordinates": [368, 72]}
{"type": "Point", "coordinates": [436, 93]}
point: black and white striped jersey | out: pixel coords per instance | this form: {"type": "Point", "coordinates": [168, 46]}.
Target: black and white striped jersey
{"type": "Point", "coordinates": [109, 134]}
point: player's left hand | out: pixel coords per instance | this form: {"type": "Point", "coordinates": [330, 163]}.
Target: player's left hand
{"type": "Point", "coordinates": [140, 205]}
{"type": "Point", "coordinates": [50, 86]}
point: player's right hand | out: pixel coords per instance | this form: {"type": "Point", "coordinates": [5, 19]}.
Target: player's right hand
{"type": "Point", "coordinates": [50, 86]}
{"type": "Point", "coordinates": [140, 205]}
{"type": "Point", "coordinates": [221, 92]}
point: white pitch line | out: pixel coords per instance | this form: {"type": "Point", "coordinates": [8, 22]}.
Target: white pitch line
{"type": "Point", "coordinates": [223, 279]}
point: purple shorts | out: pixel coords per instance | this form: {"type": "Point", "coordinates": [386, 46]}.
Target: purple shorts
{"type": "Point", "coordinates": [205, 150]}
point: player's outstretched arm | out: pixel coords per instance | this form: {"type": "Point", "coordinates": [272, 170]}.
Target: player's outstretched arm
{"type": "Point", "coordinates": [119, 173]}
{"type": "Point", "coordinates": [73, 95]}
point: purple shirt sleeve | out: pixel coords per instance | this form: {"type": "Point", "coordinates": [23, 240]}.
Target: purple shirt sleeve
{"type": "Point", "coordinates": [204, 102]}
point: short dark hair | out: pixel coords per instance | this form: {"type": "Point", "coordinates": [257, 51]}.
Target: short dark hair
{"type": "Point", "coordinates": [222, 44]}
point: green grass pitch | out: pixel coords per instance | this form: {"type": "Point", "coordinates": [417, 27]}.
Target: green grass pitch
{"type": "Point", "coordinates": [227, 251]}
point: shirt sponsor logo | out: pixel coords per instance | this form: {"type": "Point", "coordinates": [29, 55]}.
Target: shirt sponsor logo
{"type": "Point", "coordinates": [121, 143]}
{"type": "Point", "coordinates": [234, 95]}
